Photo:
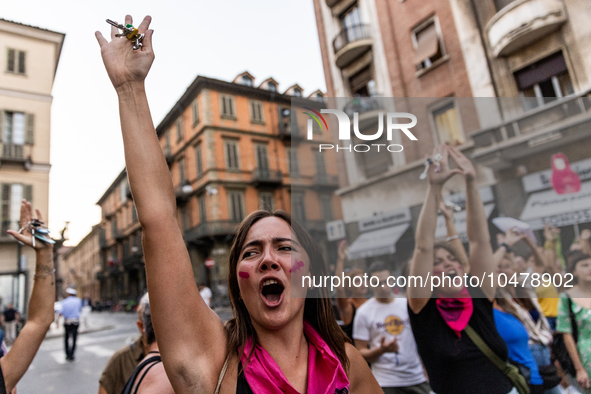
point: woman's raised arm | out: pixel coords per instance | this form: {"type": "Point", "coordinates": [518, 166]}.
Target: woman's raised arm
{"type": "Point", "coordinates": [41, 314]}
{"type": "Point", "coordinates": [421, 263]}
{"type": "Point", "coordinates": [191, 338]}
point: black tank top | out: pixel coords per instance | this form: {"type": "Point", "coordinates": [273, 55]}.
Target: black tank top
{"type": "Point", "coordinates": [150, 362]}
{"type": "Point", "coordinates": [2, 383]}
{"type": "Point", "coordinates": [348, 328]}
{"type": "Point", "coordinates": [242, 386]}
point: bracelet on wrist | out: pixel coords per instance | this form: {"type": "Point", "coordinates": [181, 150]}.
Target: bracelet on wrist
{"type": "Point", "coordinates": [452, 237]}
{"type": "Point", "coordinates": [44, 275]}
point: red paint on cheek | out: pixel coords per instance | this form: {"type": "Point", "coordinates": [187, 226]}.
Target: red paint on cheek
{"type": "Point", "coordinates": [298, 265]}
{"type": "Point", "coordinates": [244, 275]}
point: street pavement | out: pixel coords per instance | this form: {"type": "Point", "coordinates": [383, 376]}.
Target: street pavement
{"type": "Point", "coordinates": [106, 333]}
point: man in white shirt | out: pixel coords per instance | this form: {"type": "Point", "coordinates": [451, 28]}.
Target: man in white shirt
{"type": "Point", "coordinates": [383, 335]}
{"type": "Point", "coordinates": [205, 294]}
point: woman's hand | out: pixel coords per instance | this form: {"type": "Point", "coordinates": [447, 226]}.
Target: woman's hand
{"type": "Point", "coordinates": [513, 236]}
{"type": "Point", "coordinates": [24, 235]}
{"type": "Point", "coordinates": [124, 64]}
{"type": "Point", "coordinates": [464, 164]}
{"type": "Point", "coordinates": [446, 211]}
{"type": "Point", "coordinates": [583, 378]}
{"type": "Point", "coordinates": [439, 173]}
{"type": "Point", "coordinates": [343, 250]}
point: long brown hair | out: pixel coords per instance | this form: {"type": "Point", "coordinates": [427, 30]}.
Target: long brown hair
{"type": "Point", "coordinates": [317, 310]}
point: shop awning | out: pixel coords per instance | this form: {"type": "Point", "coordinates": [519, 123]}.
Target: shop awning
{"type": "Point", "coordinates": [377, 242]}
{"type": "Point", "coordinates": [459, 223]}
{"type": "Point", "coordinates": [558, 209]}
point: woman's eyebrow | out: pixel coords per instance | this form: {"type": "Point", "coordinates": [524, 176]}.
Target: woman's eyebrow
{"type": "Point", "coordinates": [279, 239]}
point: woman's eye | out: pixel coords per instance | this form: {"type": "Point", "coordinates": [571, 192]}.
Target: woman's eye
{"type": "Point", "coordinates": [248, 254]}
{"type": "Point", "coordinates": [287, 248]}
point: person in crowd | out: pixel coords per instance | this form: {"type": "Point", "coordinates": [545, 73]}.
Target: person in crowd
{"type": "Point", "coordinates": [149, 376]}
{"type": "Point", "coordinates": [348, 298]}
{"type": "Point", "coordinates": [10, 318]}
{"type": "Point", "coordinates": [122, 364]}
{"type": "Point", "coordinates": [86, 310]}
{"type": "Point", "coordinates": [206, 294]}
{"type": "Point", "coordinates": [516, 338]}
{"type": "Point", "coordinates": [454, 363]}
{"type": "Point", "coordinates": [277, 342]}
{"type": "Point", "coordinates": [384, 338]}
{"type": "Point", "coordinates": [15, 363]}
{"type": "Point", "coordinates": [579, 299]}
{"type": "Point", "coordinates": [71, 309]}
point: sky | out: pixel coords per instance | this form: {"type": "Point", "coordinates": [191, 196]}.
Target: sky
{"type": "Point", "coordinates": [218, 39]}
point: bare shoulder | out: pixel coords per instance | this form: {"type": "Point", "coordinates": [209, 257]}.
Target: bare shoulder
{"type": "Point", "coordinates": [360, 377]}
{"type": "Point", "coordinates": [155, 381]}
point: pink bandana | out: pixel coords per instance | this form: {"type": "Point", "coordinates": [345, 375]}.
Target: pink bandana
{"type": "Point", "coordinates": [325, 372]}
{"type": "Point", "coordinates": [456, 311]}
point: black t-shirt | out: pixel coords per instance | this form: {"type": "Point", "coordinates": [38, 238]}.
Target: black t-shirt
{"type": "Point", "coordinates": [456, 365]}
{"type": "Point", "coordinates": [9, 315]}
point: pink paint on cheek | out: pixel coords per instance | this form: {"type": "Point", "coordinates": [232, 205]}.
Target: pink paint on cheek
{"type": "Point", "coordinates": [244, 275]}
{"type": "Point", "coordinates": [298, 265]}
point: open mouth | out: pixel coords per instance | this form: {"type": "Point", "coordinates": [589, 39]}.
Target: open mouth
{"type": "Point", "coordinates": [452, 274]}
{"type": "Point", "coordinates": [272, 291]}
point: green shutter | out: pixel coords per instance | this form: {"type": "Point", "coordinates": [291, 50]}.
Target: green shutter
{"type": "Point", "coordinates": [28, 192]}
{"type": "Point", "coordinates": [1, 125]}
{"type": "Point", "coordinates": [10, 66]}
{"type": "Point", "coordinates": [5, 207]}
{"type": "Point", "coordinates": [29, 129]}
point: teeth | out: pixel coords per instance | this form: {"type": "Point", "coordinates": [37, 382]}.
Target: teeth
{"type": "Point", "coordinates": [270, 282]}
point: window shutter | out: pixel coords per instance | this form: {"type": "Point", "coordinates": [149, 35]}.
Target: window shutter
{"type": "Point", "coordinates": [29, 129]}
{"type": "Point", "coordinates": [28, 192]}
{"type": "Point", "coordinates": [5, 207]}
{"type": "Point", "coordinates": [2, 125]}
{"type": "Point", "coordinates": [11, 59]}
{"type": "Point", "coordinates": [21, 62]}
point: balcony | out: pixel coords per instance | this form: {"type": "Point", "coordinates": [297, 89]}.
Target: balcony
{"type": "Point", "coordinates": [210, 229]}
{"type": "Point", "coordinates": [367, 109]}
{"type": "Point", "coordinates": [133, 261]}
{"type": "Point", "coordinates": [563, 121]}
{"type": "Point", "coordinates": [351, 43]}
{"type": "Point", "coordinates": [266, 177]}
{"type": "Point", "coordinates": [167, 154]}
{"type": "Point", "coordinates": [289, 130]}
{"type": "Point", "coordinates": [332, 3]}
{"type": "Point", "coordinates": [523, 22]}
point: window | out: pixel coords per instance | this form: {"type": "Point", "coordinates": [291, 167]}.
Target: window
{"type": "Point", "coordinates": [114, 227]}
{"type": "Point", "coordinates": [198, 160]}
{"type": "Point", "coordinates": [266, 201]}
{"type": "Point", "coordinates": [227, 105]}
{"type": "Point", "coordinates": [292, 162]}
{"type": "Point", "coordinates": [544, 81]}
{"type": "Point", "coordinates": [185, 218]}
{"type": "Point", "coordinates": [236, 205]}
{"type": "Point", "coordinates": [231, 149]}
{"type": "Point", "coordinates": [362, 83]}
{"type": "Point", "coordinates": [12, 195]}
{"type": "Point", "coordinates": [447, 124]}
{"type": "Point", "coordinates": [134, 218]}
{"type": "Point", "coordinates": [375, 163]}
{"type": "Point", "coordinates": [326, 207]}
{"type": "Point", "coordinates": [179, 130]}
{"type": "Point", "coordinates": [246, 80]}
{"type": "Point", "coordinates": [17, 129]}
{"type": "Point", "coordinates": [298, 209]}
{"type": "Point", "coordinates": [202, 208]}
{"type": "Point", "coordinates": [428, 45]}
{"type": "Point", "coordinates": [320, 167]}
{"type": "Point", "coordinates": [195, 112]}
{"type": "Point", "coordinates": [256, 111]}
{"type": "Point", "coordinates": [297, 92]}
{"type": "Point", "coordinates": [123, 186]}
{"type": "Point", "coordinates": [167, 150]}
{"type": "Point", "coordinates": [271, 86]}
{"type": "Point", "coordinates": [262, 160]}
{"type": "Point", "coordinates": [351, 23]}
{"type": "Point", "coordinates": [16, 61]}
{"type": "Point", "coordinates": [181, 166]}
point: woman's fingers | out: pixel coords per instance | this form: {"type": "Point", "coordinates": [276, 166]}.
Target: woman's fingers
{"type": "Point", "coordinates": [26, 239]}
{"type": "Point", "coordinates": [114, 31]}
{"type": "Point", "coordinates": [143, 27]}
{"type": "Point", "coordinates": [39, 216]}
{"type": "Point", "coordinates": [99, 37]}
{"type": "Point", "coordinates": [147, 42]}
{"type": "Point", "coordinates": [128, 19]}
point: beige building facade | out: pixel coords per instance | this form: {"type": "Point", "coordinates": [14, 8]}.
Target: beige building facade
{"type": "Point", "coordinates": [29, 58]}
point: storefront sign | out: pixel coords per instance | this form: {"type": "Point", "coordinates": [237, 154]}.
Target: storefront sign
{"type": "Point", "coordinates": [385, 219]}
{"type": "Point", "coordinates": [543, 179]}
{"type": "Point", "coordinates": [335, 230]}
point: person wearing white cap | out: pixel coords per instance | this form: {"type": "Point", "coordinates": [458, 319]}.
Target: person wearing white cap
{"type": "Point", "coordinates": [71, 308]}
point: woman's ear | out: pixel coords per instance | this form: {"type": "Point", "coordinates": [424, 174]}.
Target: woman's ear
{"type": "Point", "coordinates": [140, 326]}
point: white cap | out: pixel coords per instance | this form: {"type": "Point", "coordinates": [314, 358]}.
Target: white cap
{"type": "Point", "coordinates": [71, 291]}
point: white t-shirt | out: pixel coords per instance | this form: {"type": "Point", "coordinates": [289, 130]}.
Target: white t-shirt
{"type": "Point", "coordinates": [206, 295]}
{"type": "Point", "coordinates": [375, 320]}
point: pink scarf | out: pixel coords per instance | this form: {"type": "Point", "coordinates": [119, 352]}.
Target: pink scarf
{"type": "Point", "coordinates": [325, 373]}
{"type": "Point", "coordinates": [456, 311]}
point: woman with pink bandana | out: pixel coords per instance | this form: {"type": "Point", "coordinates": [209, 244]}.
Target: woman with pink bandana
{"type": "Point", "coordinates": [276, 343]}
{"type": "Point", "coordinates": [439, 318]}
